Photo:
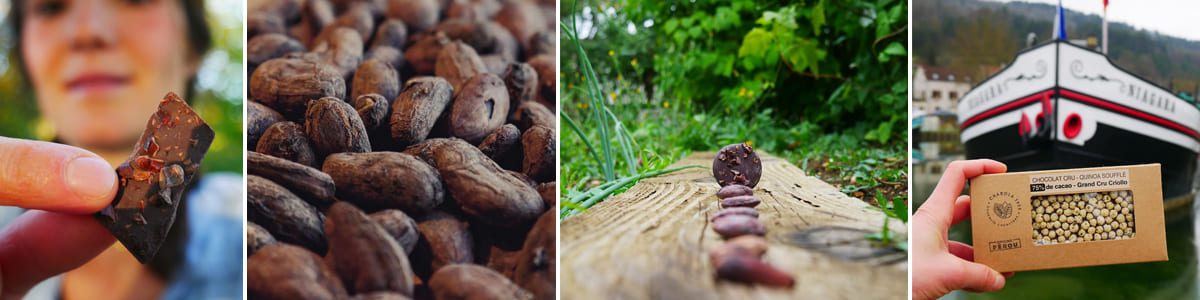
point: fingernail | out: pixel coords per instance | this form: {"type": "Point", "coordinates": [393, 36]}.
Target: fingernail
{"type": "Point", "coordinates": [90, 178]}
{"type": "Point", "coordinates": [997, 281]}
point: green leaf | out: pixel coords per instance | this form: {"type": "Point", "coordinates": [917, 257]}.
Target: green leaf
{"type": "Point", "coordinates": [798, 57]}
{"type": "Point", "coordinates": [818, 17]}
{"type": "Point", "coordinates": [671, 25]}
{"type": "Point", "coordinates": [755, 43]}
{"type": "Point", "coordinates": [725, 67]}
{"type": "Point", "coordinates": [895, 48]}
{"type": "Point", "coordinates": [901, 209]}
{"type": "Point", "coordinates": [900, 87]}
{"type": "Point", "coordinates": [885, 131]}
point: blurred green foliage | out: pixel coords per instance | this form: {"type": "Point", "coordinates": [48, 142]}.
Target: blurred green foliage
{"type": "Point", "coordinates": [836, 65]}
{"type": "Point", "coordinates": [217, 98]}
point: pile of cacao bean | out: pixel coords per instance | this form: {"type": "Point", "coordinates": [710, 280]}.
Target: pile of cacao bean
{"type": "Point", "coordinates": [738, 169]}
{"type": "Point", "coordinates": [401, 149]}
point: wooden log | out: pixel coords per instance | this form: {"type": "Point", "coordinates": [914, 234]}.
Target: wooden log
{"type": "Point", "coordinates": [651, 242]}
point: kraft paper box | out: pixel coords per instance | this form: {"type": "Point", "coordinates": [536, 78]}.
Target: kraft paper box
{"type": "Point", "coordinates": [1068, 218]}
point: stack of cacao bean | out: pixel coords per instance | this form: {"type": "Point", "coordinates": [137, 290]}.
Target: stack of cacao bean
{"type": "Point", "coordinates": [363, 187]}
{"type": "Point", "coordinates": [738, 169]}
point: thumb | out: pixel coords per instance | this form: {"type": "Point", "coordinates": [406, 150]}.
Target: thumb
{"type": "Point", "coordinates": [980, 278]}
{"type": "Point", "coordinates": [54, 177]}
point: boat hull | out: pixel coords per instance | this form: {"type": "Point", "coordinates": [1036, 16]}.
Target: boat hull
{"type": "Point", "coordinates": [1061, 106]}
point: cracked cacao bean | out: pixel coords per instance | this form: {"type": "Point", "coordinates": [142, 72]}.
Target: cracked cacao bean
{"type": "Point", "coordinates": [376, 77]}
{"type": "Point", "coordinates": [494, 63]}
{"type": "Point", "coordinates": [310, 184]}
{"type": "Point", "coordinates": [423, 50]}
{"type": "Point", "coordinates": [531, 114]}
{"type": "Point", "coordinates": [535, 267]}
{"type": "Point", "coordinates": [743, 201]}
{"type": "Point", "coordinates": [522, 83]}
{"type": "Point", "coordinates": [355, 17]}
{"type": "Point", "coordinates": [479, 108]}
{"type": "Point", "coordinates": [465, 281]}
{"type": "Point", "coordinates": [287, 140]}
{"type": "Point", "coordinates": [391, 33]}
{"type": "Point", "coordinates": [457, 63]}
{"type": "Point", "coordinates": [734, 190]}
{"type": "Point", "coordinates": [283, 271]}
{"type": "Point", "coordinates": [522, 19]}
{"type": "Point", "coordinates": [548, 190]}
{"type": "Point", "coordinates": [400, 226]}
{"type": "Point", "coordinates": [390, 55]}
{"type": "Point", "coordinates": [746, 211]}
{"type": "Point", "coordinates": [261, 23]}
{"type": "Point", "coordinates": [284, 215]}
{"type": "Point", "coordinates": [417, 15]}
{"type": "Point", "coordinates": [383, 180]}
{"type": "Point", "coordinates": [498, 144]}
{"type": "Point", "coordinates": [288, 85]}
{"type": "Point", "coordinates": [270, 46]}
{"type": "Point", "coordinates": [257, 237]}
{"type": "Point", "coordinates": [750, 269]}
{"type": "Point", "coordinates": [547, 73]}
{"type": "Point", "coordinates": [738, 225]}
{"type": "Point", "coordinates": [372, 109]}
{"type": "Point", "coordinates": [258, 119]}
{"type": "Point", "coordinates": [342, 49]}
{"type": "Point", "coordinates": [333, 126]}
{"type": "Point", "coordinates": [445, 239]}
{"type": "Point", "coordinates": [482, 189]}
{"type": "Point", "coordinates": [363, 254]}
{"type": "Point", "coordinates": [417, 109]}
{"type": "Point", "coordinates": [539, 146]}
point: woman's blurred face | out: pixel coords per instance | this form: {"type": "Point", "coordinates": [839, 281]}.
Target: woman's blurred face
{"type": "Point", "coordinates": [99, 67]}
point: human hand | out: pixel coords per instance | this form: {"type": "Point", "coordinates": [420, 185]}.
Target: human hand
{"type": "Point", "coordinates": [939, 265]}
{"type": "Point", "coordinates": [63, 185]}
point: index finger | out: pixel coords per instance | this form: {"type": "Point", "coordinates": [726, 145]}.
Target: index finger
{"type": "Point", "coordinates": [940, 205]}
{"type": "Point", "coordinates": [54, 177]}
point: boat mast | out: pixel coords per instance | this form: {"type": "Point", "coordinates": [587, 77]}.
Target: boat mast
{"type": "Point", "coordinates": [1104, 30]}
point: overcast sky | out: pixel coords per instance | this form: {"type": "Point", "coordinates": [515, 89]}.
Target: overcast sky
{"type": "Point", "coordinates": [1180, 18]}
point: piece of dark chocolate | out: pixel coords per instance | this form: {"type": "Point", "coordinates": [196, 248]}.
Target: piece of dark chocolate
{"type": "Point", "coordinates": [152, 181]}
{"type": "Point", "coordinates": [737, 164]}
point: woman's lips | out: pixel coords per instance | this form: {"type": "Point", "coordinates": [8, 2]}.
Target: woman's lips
{"type": "Point", "coordinates": [96, 83]}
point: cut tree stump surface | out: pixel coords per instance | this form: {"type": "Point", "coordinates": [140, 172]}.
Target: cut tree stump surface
{"type": "Point", "coordinates": [652, 241]}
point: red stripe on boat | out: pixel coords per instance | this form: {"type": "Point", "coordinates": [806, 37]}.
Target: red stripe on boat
{"type": "Point", "coordinates": [1128, 111]}
{"type": "Point", "coordinates": [1004, 108]}
{"type": "Point", "coordinates": [1083, 98]}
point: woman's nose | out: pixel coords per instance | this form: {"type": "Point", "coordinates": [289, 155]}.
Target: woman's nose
{"type": "Point", "coordinates": [93, 27]}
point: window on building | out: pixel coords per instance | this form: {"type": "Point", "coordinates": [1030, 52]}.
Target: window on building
{"type": "Point", "coordinates": [937, 95]}
{"type": "Point", "coordinates": [935, 76]}
{"type": "Point", "coordinates": [951, 77]}
{"type": "Point", "coordinates": [953, 95]}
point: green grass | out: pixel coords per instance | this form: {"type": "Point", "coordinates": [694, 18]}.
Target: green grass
{"type": "Point", "coordinates": [608, 129]}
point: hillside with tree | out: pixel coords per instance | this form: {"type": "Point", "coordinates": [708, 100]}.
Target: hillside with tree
{"type": "Point", "coordinates": [966, 34]}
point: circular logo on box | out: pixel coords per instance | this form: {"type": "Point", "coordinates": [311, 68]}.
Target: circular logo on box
{"type": "Point", "coordinates": [1002, 208]}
